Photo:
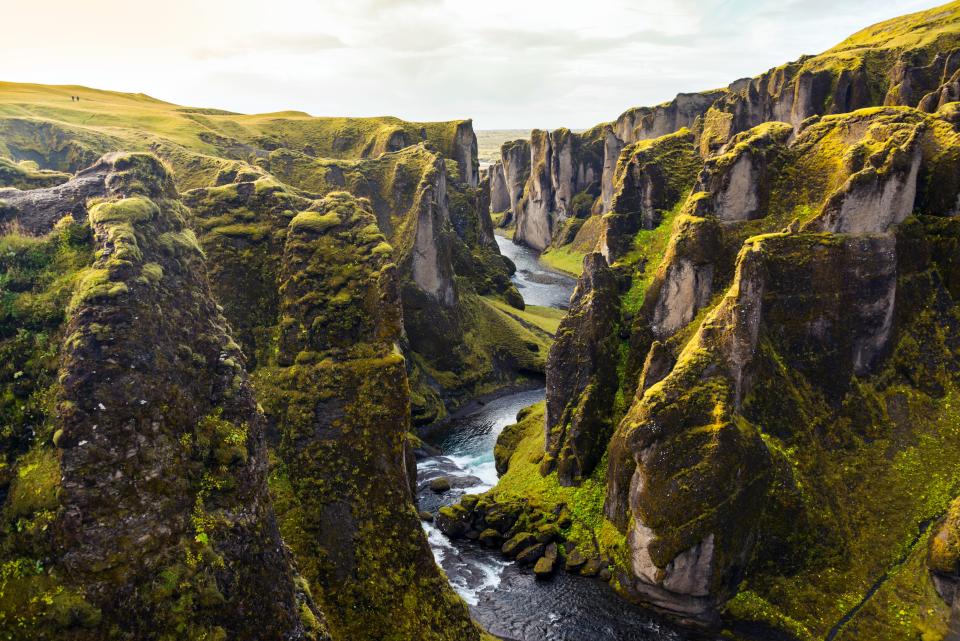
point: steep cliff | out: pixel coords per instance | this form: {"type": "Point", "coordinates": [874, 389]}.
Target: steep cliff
{"type": "Point", "coordinates": [351, 311]}
{"type": "Point", "coordinates": [789, 364]}
{"type": "Point", "coordinates": [135, 465]}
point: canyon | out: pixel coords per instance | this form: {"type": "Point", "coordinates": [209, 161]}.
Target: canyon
{"type": "Point", "coordinates": [690, 373]}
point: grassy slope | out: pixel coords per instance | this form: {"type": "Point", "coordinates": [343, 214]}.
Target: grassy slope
{"type": "Point", "coordinates": [546, 318]}
{"type": "Point", "coordinates": [139, 121]}
{"type": "Point", "coordinates": [564, 259]}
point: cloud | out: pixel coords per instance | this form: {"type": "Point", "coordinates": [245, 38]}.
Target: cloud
{"type": "Point", "coordinates": [265, 44]}
{"type": "Point", "coordinates": [576, 42]}
{"type": "Point", "coordinates": [507, 63]}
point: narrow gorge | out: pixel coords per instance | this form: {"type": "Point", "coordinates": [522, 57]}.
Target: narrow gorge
{"type": "Point", "coordinates": [693, 373]}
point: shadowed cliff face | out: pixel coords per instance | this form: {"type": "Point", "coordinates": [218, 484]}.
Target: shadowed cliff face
{"type": "Point", "coordinates": [142, 497]}
{"type": "Point", "coordinates": [576, 436]}
{"type": "Point", "coordinates": [339, 397]}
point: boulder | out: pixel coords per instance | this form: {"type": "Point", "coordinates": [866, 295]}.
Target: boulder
{"type": "Point", "coordinates": [440, 484]}
{"type": "Point", "coordinates": [490, 538]}
{"type": "Point", "coordinates": [518, 543]}
{"type": "Point", "coordinates": [453, 521]}
{"type": "Point", "coordinates": [544, 566]}
{"type": "Point", "coordinates": [575, 560]}
{"type": "Point", "coordinates": [529, 555]}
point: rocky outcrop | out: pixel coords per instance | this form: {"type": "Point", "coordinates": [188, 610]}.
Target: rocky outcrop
{"type": "Point", "coordinates": [689, 569]}
{"type": "Point", "coordinates": [881, 190]}
{"type": "Point", "coordinates": [431, 265]}
{"type": "Point", "coordinates": [738, 181]}
{"type": "Point", "coordinates": [515, 157]}
{"type": "Point", "coordinates": [47, 206]}
{"type": "Point", "coordinates": [465, 153]}
{"type": "Point", "coordinates": [580, 383]}
{"type": "Point", "coordinates": [499, 194]}
{"type": "Point", "coordinates": [925, 85]}
{"type": "Point", "coordinates": [651, 178]}
{"type": "Point", "coordinates": [563, 165]}
{"type": "Point", "coordinates": [612, 147]}
{"type": "Point", "coordinates": [643, 123]}
{"type": "Point", "coordinates": [28, 175]}
{"type": "Point", "coordinates": [339, 396]}
{"type": "Point", "coordinates": [145, 497]}
{"type": "Point", "coordinates": [685, 281]}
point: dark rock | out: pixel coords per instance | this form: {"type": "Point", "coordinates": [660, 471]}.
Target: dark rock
{"type": "Point", "coordinates": [517, 543]}
{"type": "Point", "coordinates": [501, 517]}
{"type": "Point", "coordinates": [453, 521]}
{"type": "Point", "coordinates": [490, 538]}
{"type": "Point", "coordinates": [551, 552]}
{"type": "Point", "coordinates": [575, 560]}
{"type": "Point", "coordinates": [548, 532]}
{"type": "Point", "coordinates": [593, 567]}
{"type": "Point", "coordinates": [529, 555]}
{"type": "Point", "coordinates": [581, 385]}
{"type": "Point", "coordinates": [425, 516]}
{"type": "Point", "coordinates": [440, 484]}
{"type": "Point", "coordinates": [544, 566]}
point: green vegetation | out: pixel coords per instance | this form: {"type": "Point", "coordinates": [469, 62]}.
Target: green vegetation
{"type": "Point", "coordinates": [545, 318]}
{"type": "Point", "coordinates": [564, 259]}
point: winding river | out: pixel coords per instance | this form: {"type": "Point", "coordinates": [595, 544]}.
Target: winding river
{"type": "Point", "coordinates": [505, 599]}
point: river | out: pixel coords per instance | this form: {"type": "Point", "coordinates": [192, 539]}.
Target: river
{"type": "Point", "coordinates": [505, 599]}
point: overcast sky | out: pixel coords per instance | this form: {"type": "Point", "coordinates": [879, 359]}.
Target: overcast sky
{"type": "Point", "coordinates": [505, 63]}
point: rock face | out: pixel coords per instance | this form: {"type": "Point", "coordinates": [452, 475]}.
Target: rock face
{"type": "Point", "coordinates": [465, 153]}
{"type": "Point", "coordinates": [150, 516]}
{"type": "Point", "coordinates": [643, 123]}
{"type": "Point", "coordinates": [563, 164]}
{"type": "Point", "coordinates": [515, 157]}
{"type": "Point", "coordinates": [499, 194]}
{"type": "Point", "coordinates": [578, 368]}
{"type": "Point", "coordinates": [652, 177]}
{"type": "Point", "coordinates": [881, 193]}
{"type": "Point", "coordinates": [809, 331]}
{"type": "Point", "coordinates": [685, 282]}
{"type": "Point", "coordinates": [431, 262]}
{"type": "Point", "coordinates": [738, 180]}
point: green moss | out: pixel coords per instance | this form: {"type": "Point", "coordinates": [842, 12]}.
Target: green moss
{"type": "Point", "coordinates": [254, 233]}
{"type": "Point", "coordinates": [95, 284]}
{"type": "Point", "coordinates": [128, 210]}
{"type": "Point", "coordinates": [27, 175]}
{"type": "Point", "coordinates": [34, 488]}
{"type": "Point", "coordinates": [647, 254]}
{"type": "Point", "coordinates": [315, 221]}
